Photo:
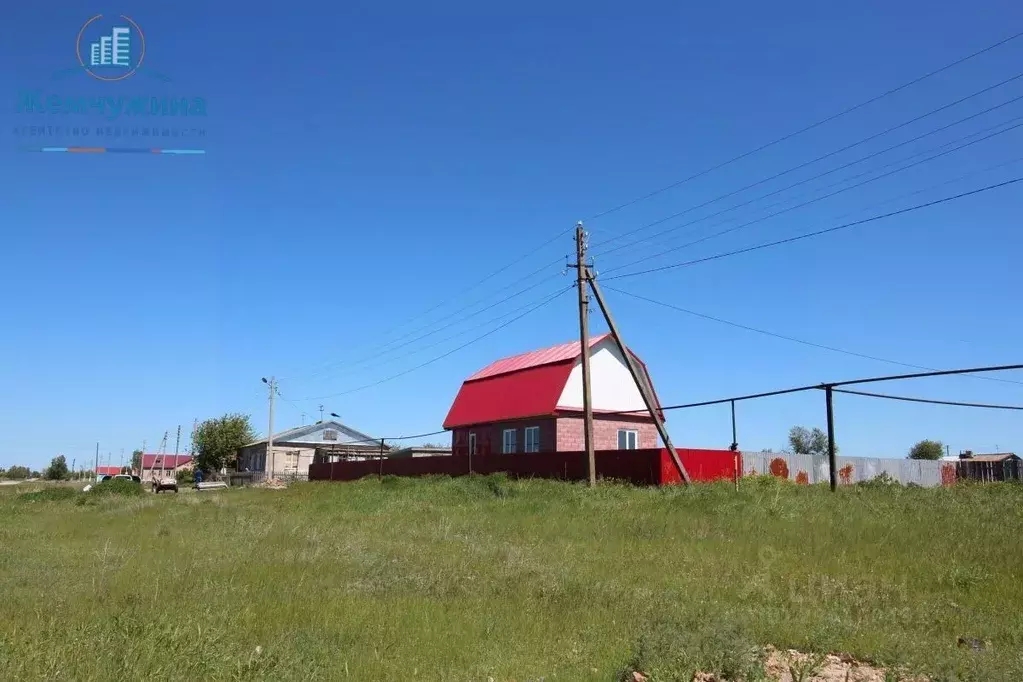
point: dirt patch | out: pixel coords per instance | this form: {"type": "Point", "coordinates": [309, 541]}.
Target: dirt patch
{"type": "Point", "coordinates": [794, 666]}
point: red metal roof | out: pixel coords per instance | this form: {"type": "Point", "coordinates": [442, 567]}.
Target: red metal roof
{"type": "Point", "coordinates": [520, 386]}
{"type": "Point", "coordinates": [545, 356]}
{"type": "Point", "coordinates": [107, 470]}
{"type": "Point", "coordinates": [518, 394]}
{"type": "Point", "coordinates": [168, 461]}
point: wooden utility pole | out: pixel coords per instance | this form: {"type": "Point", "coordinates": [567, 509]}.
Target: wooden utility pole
{"type": "Point", "coordinates": [583, 274]}
{"type": "Point", "coordinates": [640, 378]}
{"type": "Point", "coordinates": [269, 459]}
{"type": "Point", "coordinates": [95, 470]}
{"type": "Point", "coordinates": [163, 454]}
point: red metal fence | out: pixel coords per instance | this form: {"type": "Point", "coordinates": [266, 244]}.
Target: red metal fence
{"type": "Point", "coordinates": [640, 467]}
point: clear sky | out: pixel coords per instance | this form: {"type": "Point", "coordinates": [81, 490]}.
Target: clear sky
{"type": "Point", "coordinates": [370, 161]}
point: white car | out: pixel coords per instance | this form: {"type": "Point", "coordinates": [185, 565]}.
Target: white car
{"type": "Point", "coordinates": [167, 483]}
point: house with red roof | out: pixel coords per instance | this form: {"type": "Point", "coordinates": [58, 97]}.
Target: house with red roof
{"type": "Point", "coordinates": [103, 470]}
{"type": "Point", "coordinates": [156, 466]}
{"type": "Point", "coordinates": [533, 402]}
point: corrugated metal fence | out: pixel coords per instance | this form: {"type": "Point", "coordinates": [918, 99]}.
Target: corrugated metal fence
{"type": "Point", "coordinates": [814, 468]}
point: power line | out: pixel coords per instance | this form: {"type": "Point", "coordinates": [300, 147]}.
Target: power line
{"type": "Point", "coordinates": [822, 197]}
{"type": "Point", "coordinates": [392, 438]}
{"type": "Point", "coordinates": [818, 233]}
{"type": "Point", "coordinates": [832, 385]}
{"type": "Point", "coordinates": [928, 401]}
{"type": "Point", "coordinates": [819, 158]}
{"type": "Point", "coordinates": [453, 336]}
{"type": "Point", "coordinates": [489, 277]}
{"type": "Point", "coordinates": [792, 338]}
{"type": "Point", "coordinates": [716, 167]}
{"type": "Point", "coordinates": [835, 169]}
{"type": "Point", "coordinates": [386, 350]}
{"type": "Point", "coordinates": [444, 355]}
{"type": "Point", "coordinates": [921, 375]}
{"type": "Point", "coordinates": [808, 128]}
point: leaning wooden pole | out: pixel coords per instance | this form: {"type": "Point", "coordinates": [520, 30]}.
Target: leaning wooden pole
{"type": "Point", "coordinates": [644, 388]}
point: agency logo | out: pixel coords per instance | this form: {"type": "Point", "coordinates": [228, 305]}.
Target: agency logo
{"type": "Point", "coordinates": [110, 48]}
{"type": "Point", "coordinates": [148, 115]}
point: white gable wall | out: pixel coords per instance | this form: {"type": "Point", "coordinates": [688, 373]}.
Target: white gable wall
{"type": "Point", "coordinates": [611, 384]}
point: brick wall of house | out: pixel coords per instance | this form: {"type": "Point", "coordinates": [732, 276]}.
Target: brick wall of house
{"type": "Point", "coordinates": [490, 437]}
{"type": "Point", "coordinates": [605, 433]}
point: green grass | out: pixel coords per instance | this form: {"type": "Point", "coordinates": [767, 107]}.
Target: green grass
{"type": "Point", "coordinates": [470, 579]}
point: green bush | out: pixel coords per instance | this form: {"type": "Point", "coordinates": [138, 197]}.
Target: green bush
{"type": "Point", "coordinates": [185, 477]}
{"type": "Point", "coordinates": [674, 650]}
{"type": "Point", "coordinates": [116, 486]}
{"type": "Point", "coordinates": [882, 480]}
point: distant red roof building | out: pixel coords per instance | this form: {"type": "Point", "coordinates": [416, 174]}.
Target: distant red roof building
{"type": "Point", "coordinates": [107, 470]}
{"type": "Point", "coordinates": [153, 464]}
{"type": "Point", "coordinates": [532, 402]}
{"type": "Point", "coordinates": [166, 461]}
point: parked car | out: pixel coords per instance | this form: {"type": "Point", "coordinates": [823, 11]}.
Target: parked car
{"type": "Point", "coordinates": [120, 477]}
{"type": "Point", "coordinates": [166, 483]}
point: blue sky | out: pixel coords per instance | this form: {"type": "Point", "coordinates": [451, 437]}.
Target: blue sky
{"type": "Point", "coordinates": [367, 163]}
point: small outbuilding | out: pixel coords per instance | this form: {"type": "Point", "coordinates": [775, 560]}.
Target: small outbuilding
{"type": "Point", "coordinates": [999, 466]}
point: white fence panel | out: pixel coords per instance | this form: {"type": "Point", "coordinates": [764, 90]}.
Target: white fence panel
{"type": "Point", "coordinates": [856, 469]}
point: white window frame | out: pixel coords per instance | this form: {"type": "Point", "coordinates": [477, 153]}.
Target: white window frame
{"type": "Point", "coordinates": [627, 433]}
{"type": "Point", "coordinates": [509, 448]}
{"type": "Point", "coordinates": [472, 443]}
{"type": "Point", "coordinates": [533, 431]}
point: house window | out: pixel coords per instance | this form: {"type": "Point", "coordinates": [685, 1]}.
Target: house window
{"type": "Point", "coordinates": [532, 439]}
{"type": "Point", "coordinates": [508, 442]}
{"type": "Point", "coordinates": [329, 434]}
{"type": "Point", "coordinates": [628, 439]}
{"type": "Point", "coordinates": [472, 443]}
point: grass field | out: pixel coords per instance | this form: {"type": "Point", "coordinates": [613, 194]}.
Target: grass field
{"type": "Point", "coordinates": [470, 579]}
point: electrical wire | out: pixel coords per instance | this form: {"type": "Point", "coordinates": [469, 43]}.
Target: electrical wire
{"type": "Point", "coordinates": [420, 349]}
{"type": "Point", "coordinates": [834, 170]}
{"type": "Point", "coordinates": [704, 172]}
{"type": "Point", "coordinates": [808, 128]}
{"type": "Point", "coordinates": [543, 303]}
{"type": "Point", "coordinates": [794, 339]}
{"type": "Point", "coordinates": [813, 161]}
{"type": "Point", "coordinates": [385, 350]}
{"type": "Point", "coordinates": [393, 438]}
{"type": "Point", "coordinates": [928, 400]}
{"type": "Point", "coordinates": [488, 278]}
{"type": "Point", "coordinates": [818, 233]}
{"type": "Point", "coordinates": [820, 198]}
{"type": "Point", "coordinates": [833, 385]}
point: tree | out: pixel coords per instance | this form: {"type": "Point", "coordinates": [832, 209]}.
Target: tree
{"type": "Point", "coordinates": [806, 442]}
{"type": "Point", "coordinates": [16, 473]}
{"type": "Point", "coordinates": [57, 471]}
{"type": "Point", "coordinates": [136, 461]}
{"type": "Point", "coordinates": [35, 474]}
{"type": "Point", "coordinates": [927, 449]}
{"type": "Point", "coordinates": [217, 440]}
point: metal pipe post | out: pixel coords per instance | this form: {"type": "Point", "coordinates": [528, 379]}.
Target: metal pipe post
{"type": "Point", "coordinates": [832, 460]}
